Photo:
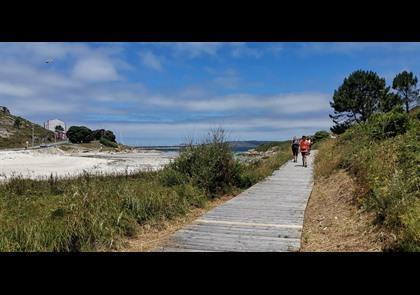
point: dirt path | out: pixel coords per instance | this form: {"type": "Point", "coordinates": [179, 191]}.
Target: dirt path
{"type": "Point", "coordinates": [334, 223]}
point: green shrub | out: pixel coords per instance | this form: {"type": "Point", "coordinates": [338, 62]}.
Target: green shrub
{"type": "Point", "coordinates": [170, 177]}
{"type": "Point", "coordinates": [108, 143]}
{"type": "Point", "coordinates": [248, 177]}
{"type": "Point", "coordinates": [108, 134]}
{"type": "Point", "coordinates": [18, 122]}
{"type": "Point", "coordinates": [320, 135]}
{"type": "Point", "coordinates": [340, 128]}
{"type": "Point", "coordinates": [210, 164]}
{"type": "Point", "coordinates": [80, 134]}
{"type": "Point", "coordinates": [384, 125]}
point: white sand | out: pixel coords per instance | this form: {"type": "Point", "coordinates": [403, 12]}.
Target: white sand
{"type": "Point", "coordinates": [42, 163]}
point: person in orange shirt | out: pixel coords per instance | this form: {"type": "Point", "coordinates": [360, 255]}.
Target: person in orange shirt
{"type": "Point", "coordinates": [304, 146]}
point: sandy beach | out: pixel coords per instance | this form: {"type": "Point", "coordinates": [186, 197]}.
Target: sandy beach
{"type": "Point", "coordinates": [41, 163]}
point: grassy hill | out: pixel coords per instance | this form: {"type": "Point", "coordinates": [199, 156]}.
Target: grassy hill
{"type": "Point", "coordinates": [382, 155]}
{"type": "Point", "coordinates": [12, 136]}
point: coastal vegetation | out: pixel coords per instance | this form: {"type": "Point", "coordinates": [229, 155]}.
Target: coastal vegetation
{"type": "Point", "coordinates": [97, 212]}
{"type": "Point", "coordinates": [266, 146]}
{"type": "Point", "coordinates": [82, 134]}
{"type": "Point", "coordinates": [379, 150]}
{"type": "Point", "coordinates": [364, 93]}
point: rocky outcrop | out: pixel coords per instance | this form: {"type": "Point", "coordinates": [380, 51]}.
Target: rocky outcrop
{"type": "Point", "coordinates": [4, 110]}
{"type": "Point", "coordinates": [253, 156]}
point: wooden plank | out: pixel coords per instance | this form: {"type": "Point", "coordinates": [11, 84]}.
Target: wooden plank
{"type": "Point", "coordinates": [268, 232]}
{"type": "Point", "coordinates": [175, 249]}
{"type": "Point", "coordinates": [238, 235]}
{"type": "Point", "coordinates": [236, 246]}
{"type": "Point", "coordinates": [250, 224]}
{"type": "Point", "coordinates": [214, 248]}
{"type": "Point", "coordinates": [233, 244]}
{"type": "Point", "coordinates": [279, 220]}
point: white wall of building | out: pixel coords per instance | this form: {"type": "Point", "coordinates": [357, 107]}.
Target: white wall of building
{"type": "Point", "coordinates": [51, 124]}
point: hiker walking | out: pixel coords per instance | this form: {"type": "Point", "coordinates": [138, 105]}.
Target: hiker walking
{"type": "Point", "coordinates": [309, 139]}
{"type": "Point", "coordinates": [304, 146]}
{"type": "Point", "coordinates": [295, 148]}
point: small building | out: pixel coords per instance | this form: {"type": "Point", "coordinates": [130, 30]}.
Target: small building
{"type": "Point", "coordinates": [52, 124]}
{"type": "Point", "coordinates": [60, 135]}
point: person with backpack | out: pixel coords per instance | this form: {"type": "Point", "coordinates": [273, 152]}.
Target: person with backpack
{"type": "Point", "coordinates": [304, 146]}
{"type": "Point", "coordinates": [295, 148]}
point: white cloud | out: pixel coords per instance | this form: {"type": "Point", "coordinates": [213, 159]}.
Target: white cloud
{"type": "Point", "coordinates": [243, 50]}
{"type": "Point", "coordinates": [212, 49]}
{"type": "Point", "coordinates": [229, 124]}
{"type": "Point", "coordinates": [14, 89]}
{"type": "Point", "coordinates": [150, 60]}
{"type": "Point", "coordinates": [193, 92]}
{"type": "Point", "coordinates": [195, 49]}
{"type": "Point", "coordinates": [37, 53]}
{"type": "Point", "coordinates": [129, 93]}
{"type": "Point", "coordinates": [95, 69]}
{"type": "Point", "coordinates": [348, 48]}
{"type": "Point", "coordinates": [229, 79]}
{"type": "Point", "coordinates": [53, 50]}
{"type": "Point", "coordinates": [275, 48]}
{"type": "Point", "coordinates": [34, 77]}
{"type": "Point", "coordinates": [283, 103]}
{"type": "Point", "coordinates": [46, 107]}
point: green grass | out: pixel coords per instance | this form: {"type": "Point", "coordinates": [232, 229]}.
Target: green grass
{"type": "Point", "coordinates": [108, 143]}
{"type": "Point", "coordinates": [252, 173]}
{"type": "Point", "coordinates": [96, 212]}
{"type": "Point", "coordinates": [266, 146]}
{"type": "Point", "coordinates": [93, 145]}
{"type": "Point", "coordinates": [86, 213]}
{"type": "Point", "coordinates": [384, 157]}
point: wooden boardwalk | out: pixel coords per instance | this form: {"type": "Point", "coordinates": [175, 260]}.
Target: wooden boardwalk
{"type": "Point", "coordinates": [267, 217]}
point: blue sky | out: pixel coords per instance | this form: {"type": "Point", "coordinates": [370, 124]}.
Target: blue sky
{"type": "Point", "coordinates": [163, 93]}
